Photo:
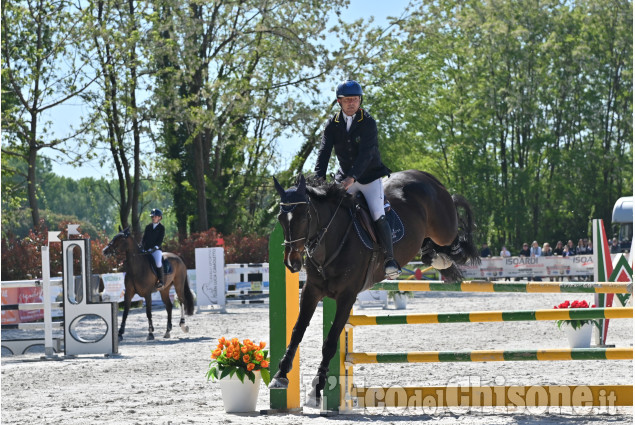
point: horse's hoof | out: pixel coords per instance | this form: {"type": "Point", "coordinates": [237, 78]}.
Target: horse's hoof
{"type": "Point", "coordinates": [441, 261]}
{"type": "Point", "coordinates": [312, 400]}
{"type": "Point", "coordinates": [279, 384]}
{"type": "Point", "coordinates": [150, 337]}
{"type": "Point", "coordinates": [120, 338]}
{"type": "Point", "coordinates": [167, 335]}
{"type": "Point", "coordinates": [185, 328]}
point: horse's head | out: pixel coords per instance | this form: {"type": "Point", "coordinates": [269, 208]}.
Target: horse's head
{"type": "Point", "coordinates": [117, 241]}
{"type": "Point", "coordinates": [294, 218]}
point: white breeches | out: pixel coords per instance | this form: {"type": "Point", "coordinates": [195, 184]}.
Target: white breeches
{"type": "Point", "coordinates": [374, 194]}
{"type": "Point", "coordinates": [158, 259]}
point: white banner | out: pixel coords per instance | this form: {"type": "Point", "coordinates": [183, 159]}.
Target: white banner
{"type": "Point", "coordinates": [530, 267]}
{"type": "Point", "coordinates": [210, 276]}
{"type": "Point", "coordinates": [115, 288]}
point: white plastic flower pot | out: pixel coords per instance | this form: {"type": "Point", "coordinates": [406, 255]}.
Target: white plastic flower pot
{"type": "Point", "coordinates": [240, 397]}
{"type": "Point", "coordinates": [401, 300]}
{"type": "Point", "coordinates": [579, 338]}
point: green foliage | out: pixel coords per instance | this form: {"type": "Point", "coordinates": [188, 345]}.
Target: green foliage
{"type": "Point", "coordinates": [526, 109]}
{"type": "Point", "coordinates": [21, 258]}
{"type": "Point", "coordinates": [239, 247]}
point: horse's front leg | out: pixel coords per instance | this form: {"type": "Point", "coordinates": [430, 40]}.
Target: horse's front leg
{"type": "Point", "coordinates": [127, 299]}
{"type": "Point", "coordinates": [344, 304]}
{"type": "Point", "coordinates": [308, 302]}
{"type": "Point", "coordinates": [165, 297]}
{"type": "Point", "coordinates": [150, 336]}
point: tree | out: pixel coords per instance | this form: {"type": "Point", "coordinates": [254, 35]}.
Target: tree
{"type": "Point", "coordinates": [528, 113]}
{"type": "Point", "coordinates": [42, 67]}
{"type": "Point", "coordinates": [224, 73]}
{"type": "Point", "coordinates": [115, 37]}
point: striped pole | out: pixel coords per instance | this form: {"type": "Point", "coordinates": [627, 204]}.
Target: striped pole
{"type": "Point", "coordinates": [558, 354]}
{"type": "Point", "coordinates": [283, 312]}
{"type": "Point", "coordinates": [494, 316]}
{"type": "Point", "coordinates": [483, 286]}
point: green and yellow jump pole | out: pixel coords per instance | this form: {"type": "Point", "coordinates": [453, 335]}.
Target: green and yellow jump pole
{"type": "Point", "coordinates": [284, 289]}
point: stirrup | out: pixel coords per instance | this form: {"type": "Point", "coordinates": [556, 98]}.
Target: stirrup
{"type": "Point", "coordinates": [392, 269]}
{"type": "Point", "coordinates": [159, 285]}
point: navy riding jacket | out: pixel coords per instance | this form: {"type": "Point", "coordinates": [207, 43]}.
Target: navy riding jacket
{"type": "Point", "coordinates": [152, 236]}
{"type": "Point", "coordinates": [357, 149]}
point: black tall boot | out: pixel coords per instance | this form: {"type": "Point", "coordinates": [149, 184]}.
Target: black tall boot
{"type": "Point", "coordinates": [384, 234]}
{"type": "Point", "coordinates": [161, 275]}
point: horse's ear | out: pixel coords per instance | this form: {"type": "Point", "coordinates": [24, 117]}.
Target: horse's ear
{"type": "Point", "coordinates": [279, 188]}
{"type": "Point", "coordinates": [302, 185]}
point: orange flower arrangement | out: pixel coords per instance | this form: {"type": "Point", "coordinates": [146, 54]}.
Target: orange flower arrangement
{"type": "Point", "coordinates": [243, 359]}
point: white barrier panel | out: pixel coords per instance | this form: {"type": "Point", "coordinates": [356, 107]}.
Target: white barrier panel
{"type": "Point", "coordinates": [210, 276]}
{"type": "Point", "coordinates": [80, 302]}
{"type": "Point", "coordinates": [78, 306]}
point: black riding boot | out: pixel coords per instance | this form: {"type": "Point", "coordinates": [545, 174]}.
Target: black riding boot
{"type": "Point", "coordinates": [161, 275]}
{"type": "Point", "coordinates": [384, 234]}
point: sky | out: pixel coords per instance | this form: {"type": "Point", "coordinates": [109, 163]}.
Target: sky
{"type": "Point", "coordinates": [68, 115]}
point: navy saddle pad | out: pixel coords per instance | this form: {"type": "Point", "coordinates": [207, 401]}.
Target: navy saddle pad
{"type": "Point", "coordinates": [396, 226]}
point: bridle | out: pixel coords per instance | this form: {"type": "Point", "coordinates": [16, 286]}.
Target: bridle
{"type": "Point", "coordinates": [313, 243]}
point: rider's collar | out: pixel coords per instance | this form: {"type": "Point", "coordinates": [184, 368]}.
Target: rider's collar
{"type": "Point", "coordinates": [341, 113]}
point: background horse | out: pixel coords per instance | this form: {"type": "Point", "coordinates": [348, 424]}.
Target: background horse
{"type": "Point", "coordinates": [141, 279]}
{"type": "Point", "coordinates": [317, 224]}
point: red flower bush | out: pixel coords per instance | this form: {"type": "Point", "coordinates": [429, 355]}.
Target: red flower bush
{"type": "Point", "coordinates": [575, 324]}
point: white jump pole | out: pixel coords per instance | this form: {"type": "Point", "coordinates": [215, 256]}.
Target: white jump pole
{"type": "Point", "coordinates": [46, 298]}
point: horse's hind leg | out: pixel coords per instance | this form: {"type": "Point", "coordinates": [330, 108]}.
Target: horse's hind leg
{"type": "Point", "coordinates": [308, 302]}
{"type": "Point", "coordinates": [165, 296]}
{"type": "Point", "coordinates": [150, 336]}
{"type": "Point", "coordinates": [182, 324]}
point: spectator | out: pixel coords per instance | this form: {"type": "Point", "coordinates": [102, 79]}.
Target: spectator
{"type": "Point", "coordinates": [524, 252]}
{"type": "Point", "coordinates": [505, 252]}
{"type": "Point", "coordinates": [589, 247]}
{"type": "Point", "coordinates": [570, 247]}
{"type": "Point", "coordinates": [581, 248]}
{"type": "Point", "coordinates": [535, 249]}
{"type": "Point", "coordinates": [615, 247]}
{"type": "Point", "coordinates": [558, 249]}
{"type": "Point", "coordinates": [565, 251]}
{"type": "Point", "coordinates": [485, 251]}
{"type": "Point", "coordinates": [546, 250]}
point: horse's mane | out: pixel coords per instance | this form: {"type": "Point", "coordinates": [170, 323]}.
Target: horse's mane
{"type": "Point", "coordinates": [319, 190]}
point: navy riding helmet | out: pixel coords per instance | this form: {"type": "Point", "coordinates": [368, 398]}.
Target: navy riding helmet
{"type": "Point", "coordinates": [349, 88]}
{"type": "Point", "coordinates": [156, 212]}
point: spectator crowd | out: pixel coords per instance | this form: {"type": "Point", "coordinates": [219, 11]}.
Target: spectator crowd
{"type": "Point", "coordinates": [584, 247]}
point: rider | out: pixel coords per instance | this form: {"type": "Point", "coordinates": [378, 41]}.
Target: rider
{"type": "Point", "coordinates": [353, 133]}
{"type": "Point", "coordinates": [152, 240]}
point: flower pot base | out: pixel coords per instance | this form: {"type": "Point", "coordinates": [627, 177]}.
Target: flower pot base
{"type": "Point", "coordinates": [579, 338]}
{"type": "Point", "coordinates": [240, 397]}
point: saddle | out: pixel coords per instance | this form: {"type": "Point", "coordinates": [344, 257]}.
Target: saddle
{"type": "Point", "coordinates": [167, 267]}
{"type": "Point", "coordinates": [365, 227]}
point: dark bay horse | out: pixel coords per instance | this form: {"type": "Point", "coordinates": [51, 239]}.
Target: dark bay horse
{"type": "Point", "coordinates": [316, 224]}
{"type": "Point", "coordinates": [140, 279]}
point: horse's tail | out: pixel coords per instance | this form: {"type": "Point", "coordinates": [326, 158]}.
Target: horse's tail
{"type": "Point", "coordinates": [463, 250]}
{"type": "Point", "coordinates": [188, 301]}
